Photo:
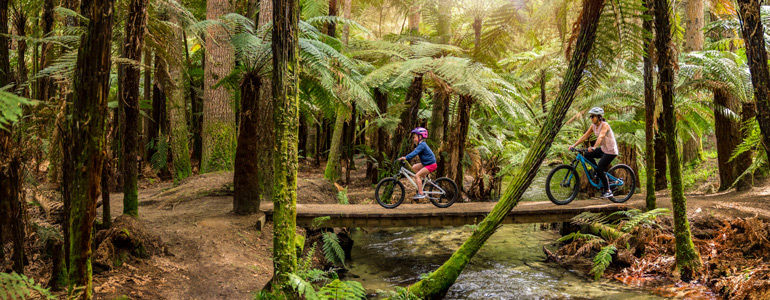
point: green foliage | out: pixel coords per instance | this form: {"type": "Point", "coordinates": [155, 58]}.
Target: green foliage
{"type": "Point", "coordinates": [319, 221]}
{"type": "Point", "coordinates": [342, 196]}
{"type": "Point", "coordinates": [11, 108]}
{"type": "Point", "coordinates": [602, 260]}
{"type": "Point", "coordinates": [342, 290]}
{"type": "Point", "coordinates": [577, 236]}
{"type": "Point", "coordinates": [17, 286]}
{"type": "Point", "coordinates": [638, 218]}
{"type": "Point", "coordinates": [159, 159]}
{"type": "Point", "coordinates": [332, 249]}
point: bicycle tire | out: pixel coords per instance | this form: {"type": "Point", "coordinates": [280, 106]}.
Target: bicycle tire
{"type": "Point", "coordinates": [629, 184]}
{"type": "Point", "coordinates": [396, 185]}
{"type": "Point", "coordinates": [450, 197]}
{"type": "Point", "coordinates": [575, 185]}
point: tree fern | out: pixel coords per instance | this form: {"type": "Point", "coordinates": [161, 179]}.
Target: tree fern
{"type": "Point", "coordinates": [159, 159]}
{"type": "Point", "coordinates": [602, 260]}
{"type": "Point", "coordinates": [18, 286]}
{"type": "Point", "coordinates": [332, 249]}
{"type": "Point", "coordinates": [342, 196]}
{"type": "Point", "coordinates": [302, 287]}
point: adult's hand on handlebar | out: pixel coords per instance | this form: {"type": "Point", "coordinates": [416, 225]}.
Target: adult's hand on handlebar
{"type": "Point", "coordinates": [572, 147]}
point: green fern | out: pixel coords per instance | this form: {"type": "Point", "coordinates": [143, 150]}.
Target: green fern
{"type": "Point", "coordinates": [342, 196]}
{"type": "Point", "coordinates": [332, 249]}
{"type": "Point", "coordinates": [577, 236]}
{"type": "Point", "coordinates": [159, 159]}
{"type": "Point", "coordinates": [342, 290]}
{"type": "Point", "coordinates": [302, 287]}
{"type": "Point", "coordinates": [18, 286]}
{"type": "Point", "coordinates": [319, 221]}
{"type": "Point", "coordinates": [602, 260]}
{"type": "Point", "coordinates": [644, 218]}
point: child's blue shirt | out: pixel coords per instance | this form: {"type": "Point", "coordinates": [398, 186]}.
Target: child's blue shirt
{"type": "Point", "coordinates": [426, 154]}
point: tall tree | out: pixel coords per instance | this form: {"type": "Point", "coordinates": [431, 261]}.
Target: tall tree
{"type": "Point", "coordinates": [265, 126]}
{"type": "Point", "coordinates": [687, 257]}
{"type": "Point", "coordinates": [5, 63]}
{"type": "Point", "coordinates": [45, 85]}
{"type": "Point", "coordinates": [729, 135]}
{"type": "Point", "coordinates": [649, 106]}
{"type": "Point", "coordinates": [437, 283]}
{"type": "Point", "coordinates": [129, 101]}
{"type": "Point", "coordinates": [85, 141]}
{"type": "Point", "coordinates": [692, 148]}
{"type": "Point", "coordinates": [11, 204]}
{"type": "Point", "coordinates": [20, 26]}
{"type": "Point", "coordinates": [219, 134]}
{"type": "Point", "coordinates": [172, 83]}
{"type": "Point", "coordinates": [333, 171]}
{"type": "Point", "coordinates": [753, 36]}
{"type": "Point", "coordinates": [285, 46]}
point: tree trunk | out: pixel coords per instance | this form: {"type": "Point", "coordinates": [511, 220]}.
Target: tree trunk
{"type": "Point", "coordinates": [382, 135]}
{"type": "Point", "coordinates": [438, 122]}
{"type": "Point", "coordinates": [10, 191]}
{"type": "Point", "coordinates": [649, 109]}
{"type": "Point", "coordinates": [346, 26]}
{"type": "Point", "coordinates": [219, 141]}
{"type": "Point", "coordinates": [265, 126]}
{"type": "Point", "coordinates": [729, 135]}
{"type": "Point", "coordinates": [20, 22]}
{"type": "Point", "coordinates": [331, 27]}
{"type": "Point", "coordinates": [687, 257]}
{"type": "Point", "coordinates": [158, 112]}
{"type": "Point", "coordinates": [251, 9]}
{"type": "Point", "coordinates": [414, 19]}
{"type": "Point", "coordinates": [753, 36]}
{"type": "Point", "coordinates": [628, 156]}
{"type": "Point", "coordinates": [246, 197]}
{"type": "Point", "coordinates": [45, 85]}
{"type": "Point", "coordinates": [171, 80]}
{"type": "Point", "coordinates": [197, 108]}
{"type": "Point", "coordinates": [458, 141]}
{"type": "Point", "coordinates": [333, 171]}
{"type": "Point", "coordinates": [437, 283]}
{"type": "Point", "coordinates": [105, 183]}
{"type": "Point", "coordinates": [542, 91]}
{"type": "Point", "coordinates": [285, 48]}
{"type": "Point", "coordinates": [661, 162]}
{"type": "Point", "coordinates": [692, 147]}
{"type": "Point", "coordinates": [129, 100]}
{"type": "Point", "coordinates": [147, 112]}
{"type": "Point", "coordinates": [5, 63]}
{"type": "Point", "coordinates": [85, 142]}
{"type": "Point", "coordinates": [743, 161]}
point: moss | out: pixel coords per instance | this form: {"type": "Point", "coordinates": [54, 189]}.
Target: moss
{"type": "Point", "coordinates": [219, 153]}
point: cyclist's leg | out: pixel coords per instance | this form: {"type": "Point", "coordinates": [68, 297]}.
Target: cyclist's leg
{"type": "Point", "coordinates": [592, 155]}
{"type": "Point", "coordinates": [416, 168]}
{"type": "Point", "coordinates": [418, 179]}
{"type": "Point", "coordinates": [604, 164]}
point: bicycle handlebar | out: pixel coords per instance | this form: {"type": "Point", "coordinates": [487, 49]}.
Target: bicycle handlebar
{"type": "Point", "coordinates": [581, 150]}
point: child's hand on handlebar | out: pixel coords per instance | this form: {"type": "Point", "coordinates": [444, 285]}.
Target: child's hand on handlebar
{"type": "Point", "coordinates": [402, 158]}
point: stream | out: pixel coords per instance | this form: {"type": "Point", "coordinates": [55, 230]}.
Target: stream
{"type": "Point", "coordinates": [509, 266]}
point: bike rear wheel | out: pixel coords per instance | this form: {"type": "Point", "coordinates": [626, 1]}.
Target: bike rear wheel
{"type": "Point", "coordinates": [562, 184]}
{"type": "Point", "coordinates": [445, 199]}
{"type": "Point", "coordinates": [389, 193]}
{"type": "Point", "coordinates": [622, 192]}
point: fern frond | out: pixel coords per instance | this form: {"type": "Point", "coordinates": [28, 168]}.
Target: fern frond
{"type": "Point", "coordinates": [578, 236]}
{"type": "Point", "coordinates": [644, 218]}
{"type": "Point", "coordinates": [302, 287]}
{"type": "Point", "coordinates": [602, 260]}
{"type": "Point", "coordinates": [19, 286]}
{"type": "Point", "coordinates": [586, 218]}
{"type": "Point", "coordinates": [332, 249]}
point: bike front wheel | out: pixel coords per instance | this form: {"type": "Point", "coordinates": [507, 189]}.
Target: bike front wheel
{"type": "Point", "coordinates": [389, 193]}
{"type": "Point", "coordinates": [447, 197]}
{"type": "Point", "coordinates": [562, 184]}
{"type": "Point", "coordinates": [622, 183]}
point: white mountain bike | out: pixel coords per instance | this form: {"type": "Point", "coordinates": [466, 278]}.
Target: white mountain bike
{"type": "Point", "coordinates": [390, 192]}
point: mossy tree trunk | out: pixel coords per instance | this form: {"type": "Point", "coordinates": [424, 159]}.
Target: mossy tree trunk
{"type": "Point", "coordinates": [333, 171]}
{"type": "Point", "coordinates": [5, 63]}
{"type": "Point", "coordinates": [687, 257]}
{"type": "Point", "coordinates": [218, 136]}
{"type": "Point", "coordinates": [11, 203]}
{"type": "Point", "coordinates": [20, 24]}
{"type": "Point", "coordinates": [661, 154]}
{"type": "Point", "coordinates": [129, 100]}
{"type": "Point", "coordinates": [171, 80]}
{"type": "Point", "coordinates": [46, 87]}
{"type": "Point", "coordinates": [438, 282]}
{"type": "Point", "coordinates": [285, 48]}
{"type": "Point", "coordinates": [753, 36]}
{"type": "Point", "coordinates": [649, 107]}
{"type": "Point", "coordinates": [744, 161]}
{"type": "Point", "coordinates": [85, 141]}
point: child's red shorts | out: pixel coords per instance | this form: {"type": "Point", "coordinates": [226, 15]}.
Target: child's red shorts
{"type": "Point", "coordinates": [432, 167]}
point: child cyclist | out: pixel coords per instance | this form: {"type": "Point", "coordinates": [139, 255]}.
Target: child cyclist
{"type": "Point", "coordinates": [427, 159]}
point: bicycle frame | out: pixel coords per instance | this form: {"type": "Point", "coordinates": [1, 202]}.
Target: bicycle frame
{"type": "Point", "coordinates": [409, 175]}
{"type": "Point", "coordinates": [583, 161]}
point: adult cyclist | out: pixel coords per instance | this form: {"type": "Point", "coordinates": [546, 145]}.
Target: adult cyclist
{"type": "Point", "coordinates": [427, 158]}
{"type": "Point", "coordinates": [605, 148]}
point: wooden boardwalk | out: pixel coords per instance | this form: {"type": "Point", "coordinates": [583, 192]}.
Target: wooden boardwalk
{"type": "Point", "coordinates": [410, 215]}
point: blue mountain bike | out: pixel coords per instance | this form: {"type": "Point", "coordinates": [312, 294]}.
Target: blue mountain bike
{"type": "Point", "coordinates": [563, 183]}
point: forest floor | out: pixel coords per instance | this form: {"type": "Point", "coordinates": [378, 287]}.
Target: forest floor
{"type": "Point", "coordinates": [211, 253]}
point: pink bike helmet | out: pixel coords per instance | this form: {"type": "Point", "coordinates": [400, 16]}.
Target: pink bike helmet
{"type": "Point", "coordinates": [422, 132]}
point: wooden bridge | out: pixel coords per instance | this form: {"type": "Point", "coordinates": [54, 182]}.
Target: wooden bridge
{"type": "Point", "coordinates": [427, 215]}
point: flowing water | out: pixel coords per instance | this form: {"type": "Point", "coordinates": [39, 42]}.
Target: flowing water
{"type": "Point", "coordinates": [509, 266]}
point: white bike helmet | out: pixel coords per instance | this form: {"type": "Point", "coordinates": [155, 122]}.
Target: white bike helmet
{"type": "Point", "coordinates": [596, 111]}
